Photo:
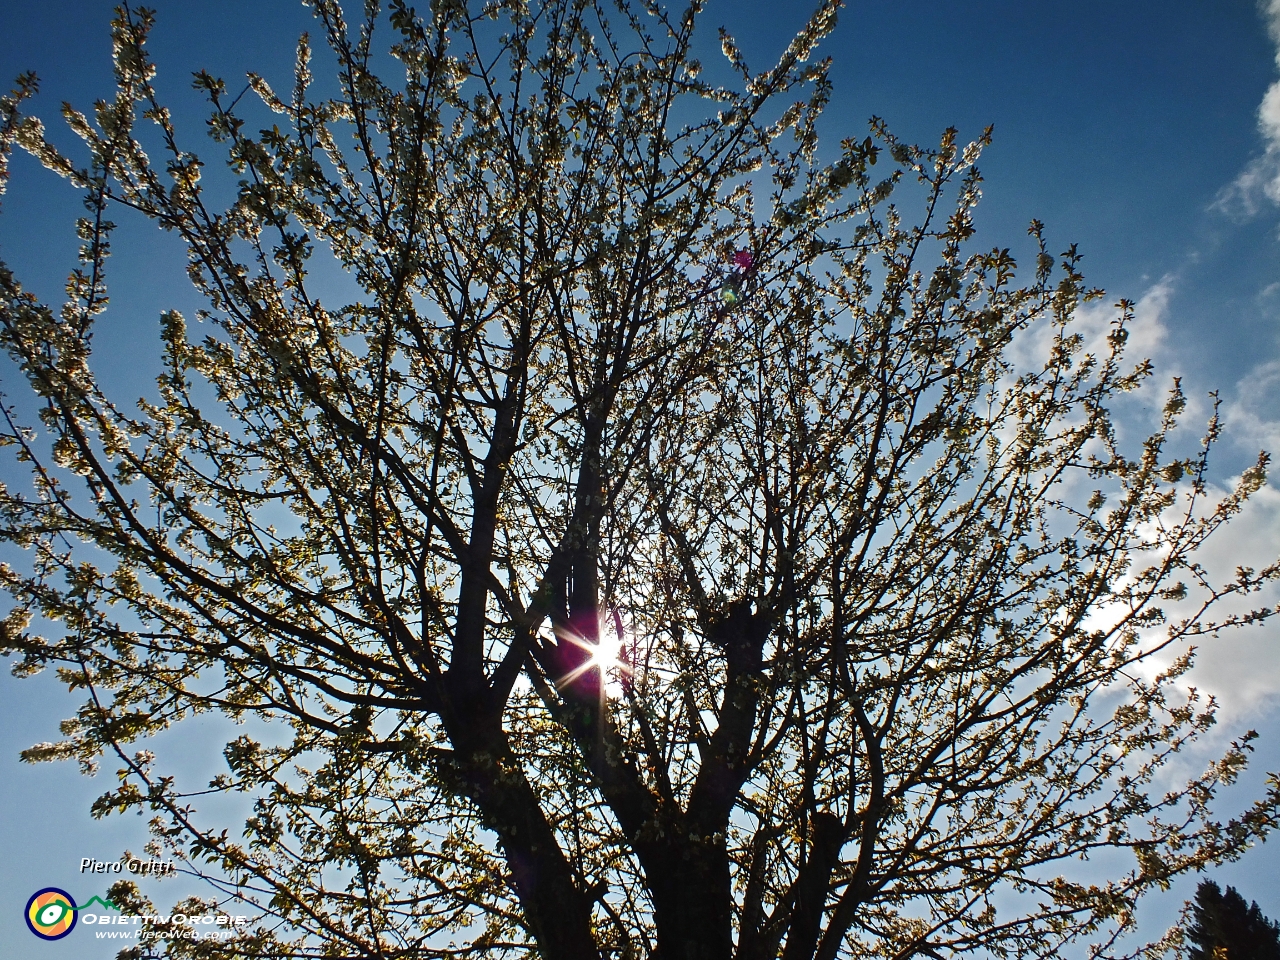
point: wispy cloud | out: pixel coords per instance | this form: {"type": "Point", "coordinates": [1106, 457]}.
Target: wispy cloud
{"type": "Point", "coordinates": [1148, 334]}
{"type": "Point", "coordinates": [1240, 668]}
{"type": "Point", "coordinates": [1237, 666]}
{"type": "Point", "coordinates": [1251, 416]}
{"type": "Point", "coordinates": [1259, 182]}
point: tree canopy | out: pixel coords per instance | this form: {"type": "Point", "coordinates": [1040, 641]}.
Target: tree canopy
{"type": "Point", "coordinates": [1224, 927]}
{"type": "Point", "coordinates": [668, 549]}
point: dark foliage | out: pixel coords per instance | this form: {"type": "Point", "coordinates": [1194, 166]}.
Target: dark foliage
{"type": "Point", "coordinates": [1222, 921]}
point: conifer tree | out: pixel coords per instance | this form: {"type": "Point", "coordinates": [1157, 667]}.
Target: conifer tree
{"type": "Point", "coordinates": [1224, 927]}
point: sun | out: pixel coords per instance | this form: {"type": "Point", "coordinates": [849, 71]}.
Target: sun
{"type": "Point", "coordinates": [607, 655]}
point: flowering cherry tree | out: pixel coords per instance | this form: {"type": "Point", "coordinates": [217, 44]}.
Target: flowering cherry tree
{"type": "Point", "coordinates": [660, 554]}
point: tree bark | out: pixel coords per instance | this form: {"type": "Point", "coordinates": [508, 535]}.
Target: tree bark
{"type": "Point", "coordinates": [557, 910]}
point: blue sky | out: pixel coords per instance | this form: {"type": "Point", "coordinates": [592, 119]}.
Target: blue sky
{"type": "Point", "coordinates": [1141, 130]}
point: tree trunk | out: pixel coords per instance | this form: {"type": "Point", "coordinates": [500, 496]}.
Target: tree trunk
{"type": "Point", "coordinates": [693, 911]}
{"type": "Point", "coordinates": [557, 911]}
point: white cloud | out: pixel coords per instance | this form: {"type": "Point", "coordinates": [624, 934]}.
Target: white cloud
{"type": "Point", "coordinates": [1261, 178]}
{"type": "Point", "coordinates": [1252, 417]}
{"type": "Point", "coordinates": [1239, 667]}
{"type": "Point", "coordinates": [1242, 199]}
{"type": "Point", "coordinates": [1269, 114]}
{"type": "Point", "coordinates": [1148, 335]}
{"type": "Point", "coordinates": [1242, 668]}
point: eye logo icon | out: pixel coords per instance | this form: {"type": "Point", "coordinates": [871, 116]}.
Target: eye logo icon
{"type": "Point", "coordinates": [51, 913]}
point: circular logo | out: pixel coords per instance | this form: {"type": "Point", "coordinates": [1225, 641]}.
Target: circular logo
{"type": "Point", "coordinates": [51, 913]}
